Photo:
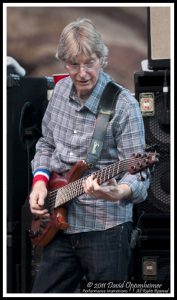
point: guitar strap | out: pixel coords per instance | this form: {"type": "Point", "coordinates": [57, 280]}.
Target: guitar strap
{"type": "Point", "coordinates": [105, 111]}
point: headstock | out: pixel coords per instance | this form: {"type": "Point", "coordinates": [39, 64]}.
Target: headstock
{"type": "Point", "coordinates": [140, 162]}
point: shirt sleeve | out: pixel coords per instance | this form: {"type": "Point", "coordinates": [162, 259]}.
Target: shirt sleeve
{"type": "Point", "coordinates": [130, 138]}
{"type": "Point", "coordinates": [139, 184]}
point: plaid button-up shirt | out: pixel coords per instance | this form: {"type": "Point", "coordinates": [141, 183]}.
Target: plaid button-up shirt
{"type": "Point", "coordinates": [68, 128]}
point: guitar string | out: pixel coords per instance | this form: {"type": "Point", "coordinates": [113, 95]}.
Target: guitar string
{"type": "Point", "coordinates": [108, 168]}
{"type": "Point", "coordinates": [70, 188]}
{"type": "Point", "coordinates": [73, 193]}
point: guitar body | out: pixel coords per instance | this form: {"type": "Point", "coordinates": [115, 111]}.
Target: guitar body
{"type": "Point", "coordinates": [44, 229]}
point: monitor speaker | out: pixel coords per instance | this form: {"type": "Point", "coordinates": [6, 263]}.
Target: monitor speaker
{"type": "Point", "coordinates": [159, 37]}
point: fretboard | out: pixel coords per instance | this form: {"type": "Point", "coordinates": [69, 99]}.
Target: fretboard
{"type": "Point", "coordinates": [75, 189]}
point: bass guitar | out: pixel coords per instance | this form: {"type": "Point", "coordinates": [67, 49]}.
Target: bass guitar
{"type": "Point", "coordinates": [63, 189]}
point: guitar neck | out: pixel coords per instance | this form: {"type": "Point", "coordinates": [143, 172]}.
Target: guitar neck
{"type": "Point", "coordinates": [75, 189]}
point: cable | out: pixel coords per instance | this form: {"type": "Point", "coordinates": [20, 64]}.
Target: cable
{"type": "Point", "coordinates": [136, 233]}
{"type": "Point", "coordinates": [164, 114]}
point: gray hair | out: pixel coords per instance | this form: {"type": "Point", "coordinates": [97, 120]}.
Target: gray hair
{"type": "Point", "coordinates": [79, 37]}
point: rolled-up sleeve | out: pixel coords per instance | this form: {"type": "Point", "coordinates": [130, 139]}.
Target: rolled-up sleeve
{"type": "Point", "coordinates": [139, 184]}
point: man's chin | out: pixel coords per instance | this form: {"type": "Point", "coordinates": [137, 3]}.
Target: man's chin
{"type": "Point", "coordinates": [86, 89]}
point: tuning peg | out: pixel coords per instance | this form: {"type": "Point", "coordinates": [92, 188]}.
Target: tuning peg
{"type": "Point", "coordinates": [133, 168]}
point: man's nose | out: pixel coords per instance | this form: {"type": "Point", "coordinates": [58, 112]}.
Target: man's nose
{"type": "Point", "coordinates": [82, 70]}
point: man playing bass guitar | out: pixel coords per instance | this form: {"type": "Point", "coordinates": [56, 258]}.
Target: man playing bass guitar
{"type": "Point", "coordinates": [95, 238]}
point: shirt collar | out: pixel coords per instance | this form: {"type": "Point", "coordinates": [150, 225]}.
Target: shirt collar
{"type": "Point", "coordinates": [93, 101]}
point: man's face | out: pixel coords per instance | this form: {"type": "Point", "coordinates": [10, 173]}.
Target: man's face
{"type": "Point", "coordinates": [84, 72]}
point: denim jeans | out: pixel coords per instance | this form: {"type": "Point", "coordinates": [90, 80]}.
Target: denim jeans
{"type": "Point", "coordinates": [96, 255]}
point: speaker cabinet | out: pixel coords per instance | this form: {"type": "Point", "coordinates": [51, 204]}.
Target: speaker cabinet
{"type": "Point", "coordinates": [152, 217]}
{"type": "Point", "coordinates": [26, 103]}
{"type": "Point", "coordinates": [159, 37]}
{"type": "Point", "coordinates": [27, 99]}
{"type": "Point", "coordinates": [154, 103]}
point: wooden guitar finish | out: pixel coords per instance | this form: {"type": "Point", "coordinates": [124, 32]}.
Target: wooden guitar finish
{"type": "Point", "coordinates": [44, 229]}
{"type": "Point", "coordinates": [63, 189]}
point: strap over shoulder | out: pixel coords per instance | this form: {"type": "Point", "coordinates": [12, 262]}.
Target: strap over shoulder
{"type": "Point", "coordinates": [106, 106]}
{"type": "Point", "coordinates": [109, 97]}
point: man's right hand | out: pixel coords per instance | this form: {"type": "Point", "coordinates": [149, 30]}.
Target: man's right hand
{"type": "Point", "coordinates": [37, 199]}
